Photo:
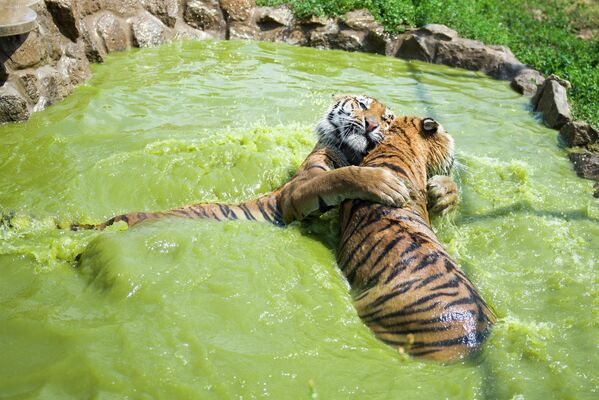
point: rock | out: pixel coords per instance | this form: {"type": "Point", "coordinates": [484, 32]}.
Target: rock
{"type": "Point", "coordinates": [53, 38]}
{"type": "Point", "coordinates": [586, 165]}
{"type": "Point", "coordinates": [496, 61]}
{"type": "Point", "coordinates": [29, 50]}
{"type": "Point", "coordinates": [440, 45]}
{"type": "Point", "coordinates": [365, 34]}
{"type": "Point", "coordinates": [378, 42]}
{"type": "Point", "coordinates": [53, 87]}
{"type": "Point", "coordinates": [184, 31]}
{"type": "Point", "coordinates": [237, 10]}
{"type": "Point", "coordinates": [122, 8]}
{"type": "Point", "coordinates": [564, 82]}
{"type": "Point", "coordinates": [66, 17]}
{"type": "Point", "coordinates": [297, 37]}
{"type": "Point", "coordinates": [206, 15]}
{"type": "Point", "coordinates": [88, 7]}
{"type": "Point", "coordinates": [526, 81]}
{"type": "Point", "coordinates": [439, 31]}
{"type": "Point", "coordinates": [351, 40]}
{"type": "Point", "coordinates": [73, 70]}
{"type": "Point", "coordinates": [415, 47]}
{"type": "Point", "coordinates": [112, 32]}
{"type": "Point", "coordinates": [313, 22]}
{"type": "Point", "coordinates": [268, 18]}
{"type": "Point", "coordinates": [165, 10]}
{"type": "Point", "coordinates": [28, 81]}
{"type": "Point", "coordinates": [273, 35]}
{"type": "Point", "coordinates": [392, 44]}
{"type": "Point", "coordinates": [94, 45]}
{"type": "Point", "coordinates": [362, 20]}
{"type": "Point", "coordinates": [243, 31]}
{"type": "Point", "coordinates": [575, 133]}
{"type": "Point", "coordinates": [73, 65]}
{"type": "Point", "coordinates": [552, 100]}
{"type": "Point", "coordinates": [13, 106]}
{"type": "Point", "coordinates": [325, 37]}
{"type": "Point", "coordinates": [148, 31]}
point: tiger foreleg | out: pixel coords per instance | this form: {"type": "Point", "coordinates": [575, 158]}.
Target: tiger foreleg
{"type": "Point", "coordinates": [329, 189]}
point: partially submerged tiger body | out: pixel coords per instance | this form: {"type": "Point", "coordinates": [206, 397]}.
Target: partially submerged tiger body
{"type": "Point", "coordinates": [406, 287]}
{"type": "Point", "coordinates": [352, 126]}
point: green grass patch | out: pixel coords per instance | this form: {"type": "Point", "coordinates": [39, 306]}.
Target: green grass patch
{"type": "Point", "coordinates": [541, 33]}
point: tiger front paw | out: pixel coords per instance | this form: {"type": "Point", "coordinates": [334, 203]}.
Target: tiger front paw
{"type": "Point", "coordinates": [442, 194]}
{"type": "Point", "coordinates": [383, 186]}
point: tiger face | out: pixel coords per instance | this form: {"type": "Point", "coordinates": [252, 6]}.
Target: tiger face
{"type": "Point", "coordinates": [354, 125]}
{"type": "Point", "coordinates": [429, 146]}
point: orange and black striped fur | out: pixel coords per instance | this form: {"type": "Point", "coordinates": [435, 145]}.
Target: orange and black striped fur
{"type": "Point", "coordinates": [406, 287]}
{"type": "Point", "coordinates": [351, 126]}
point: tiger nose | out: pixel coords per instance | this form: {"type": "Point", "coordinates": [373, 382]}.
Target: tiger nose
{"type": "Point", "coordinates": [371, 124]}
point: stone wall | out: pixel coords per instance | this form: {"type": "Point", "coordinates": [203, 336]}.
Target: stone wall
{"type": "Point", "coordinates": [42, 67]}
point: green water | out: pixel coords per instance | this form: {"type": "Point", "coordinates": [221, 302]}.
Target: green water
{"type": "Point", "coordinates": [198, 309]}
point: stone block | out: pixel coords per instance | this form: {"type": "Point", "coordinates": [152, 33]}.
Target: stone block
{"type": "Point", "coordinates": [576, 133]}
{"type": "Point", "coordinates": [165, 10]}
{"type": "Point", "coordinates": [66, 17]}
{"type": "Point", "coordinates": [206, 15]}
{"type": "Point", "coordinates": [552, 100]}
{"type": "Point", "coordinates": [148, 31]}
{"type": "Point", "coordinates": [237, 10]}
{"type": "Point", "coordinates": [526, 81]}
{"type": "Point", "coordinates": [13, 105]}
{"type": "Point", "coordinates": [586, 165]}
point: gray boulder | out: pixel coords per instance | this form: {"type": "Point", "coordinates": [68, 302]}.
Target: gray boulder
{"type": "Point", "coordinates": [526, 81]}
{"type": "Point", "coordinates": [206, 15]}
{"type": "Point", "coordinates": [113, 32]}
{"type": "Point", "coordinates": [237, 10]}
{"type": "Point", "coordinates": [362, 20]}
{"type": "Point", "coordinates": [440, 45]}
{"type": "Point", "coordinates": [552, 100]}
{"type": "Point", "coordinates": [586, 164]}
{"type": "Point", "coordinates": [148, 31]}
{"type": "Point", "coordinates": [165, 10]}
{"type": "Point", "coordinates": [66, 16]}
{"type": "Point", "coordinates": [576, 133]}
{"type": "Point", "coordinates": [13, 106]}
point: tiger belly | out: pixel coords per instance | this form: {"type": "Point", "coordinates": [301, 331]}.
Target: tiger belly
{"type": "Point", "coordinates": [407, 289]}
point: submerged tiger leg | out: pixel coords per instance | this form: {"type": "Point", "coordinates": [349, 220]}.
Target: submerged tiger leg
{"type": "Point", "coordinates": [264, 208]}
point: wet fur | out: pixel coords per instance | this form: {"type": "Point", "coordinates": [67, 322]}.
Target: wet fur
{"type": "Point", "coordinates": [406, 287]}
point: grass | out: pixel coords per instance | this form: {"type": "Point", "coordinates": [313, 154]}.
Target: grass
{"type": "Point", "coordinates": [541, 33]}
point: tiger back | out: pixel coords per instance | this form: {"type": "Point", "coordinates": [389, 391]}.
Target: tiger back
{"type": "Point", "coordinates": [406, 287]}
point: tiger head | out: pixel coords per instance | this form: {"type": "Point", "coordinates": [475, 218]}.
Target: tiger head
{"type": "Point", "coordinates": [418, 148]}
{"type": "Point", "coordinates": [354, 125]}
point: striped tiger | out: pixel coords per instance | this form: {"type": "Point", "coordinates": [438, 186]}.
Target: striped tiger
{"type": "Point", "coordinates": [351, 126]}
{"type": "Point", "coordinates": [406, 287]}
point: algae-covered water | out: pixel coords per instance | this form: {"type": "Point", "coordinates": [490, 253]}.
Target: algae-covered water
{"type": "Point", "coordinates": [199, 309]}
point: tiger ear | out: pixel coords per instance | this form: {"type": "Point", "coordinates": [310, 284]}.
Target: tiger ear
{"type": "Point", "coordinates": [430, 125]}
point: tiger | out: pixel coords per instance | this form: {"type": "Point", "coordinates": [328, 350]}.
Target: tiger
{"type": "Point", "coordinates": [351, 126]}
{"type": "Point", "coordinates": [405, 286]}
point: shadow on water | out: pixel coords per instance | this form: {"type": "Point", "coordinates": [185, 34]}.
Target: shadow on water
{"type": "Point", "coordinates": [525, 207]}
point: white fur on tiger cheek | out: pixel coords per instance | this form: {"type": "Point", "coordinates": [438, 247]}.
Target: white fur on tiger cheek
{"type": "Point", "coordinates": [346, 129]}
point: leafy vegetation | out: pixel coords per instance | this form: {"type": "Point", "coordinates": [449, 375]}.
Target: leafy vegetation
{"type": "Point", "coordinates": [541, 33]}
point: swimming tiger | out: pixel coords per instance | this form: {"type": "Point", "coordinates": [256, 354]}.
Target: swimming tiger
{"type": "Point", "coordinates": [406, 287]}
{"type": "Point", "coordinates": [350, 127]}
